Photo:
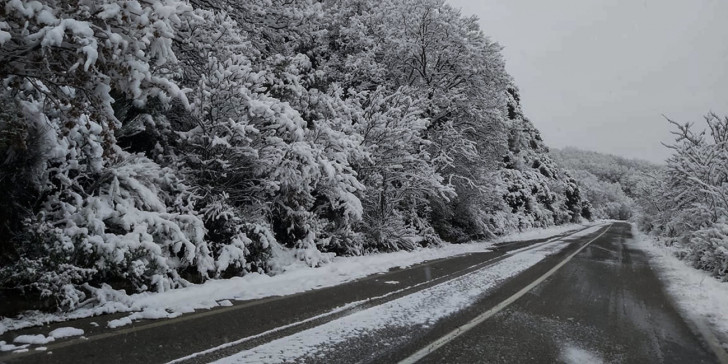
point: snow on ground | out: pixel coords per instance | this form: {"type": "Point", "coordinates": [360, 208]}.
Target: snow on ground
{"type": "Point", "coordinates": [421, 309]}
{"type": "Point", "coordinates": [540, 233]}
{"type": "Point", "coordinates": [695, 291]}
{"type": "Point", "coordinates": [39, 339]}
{"type": "Point", "coordinates": [571, 354]}
{"type": "Point", "coordinates": [63, 332]}
{"type": "Point", "coordinates": [295, 277]}
{"type": "Point", "coordinates": [11, 347]}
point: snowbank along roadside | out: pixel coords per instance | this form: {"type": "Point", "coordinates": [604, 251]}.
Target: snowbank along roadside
{"type": "Point", "coordinates": [296, 277]}
{"type": "Point", "coordinates": [699, 295]}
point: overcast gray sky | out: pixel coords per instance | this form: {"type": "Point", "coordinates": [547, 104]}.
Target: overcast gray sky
{"type": "Point", "coordinates": [598, 74]}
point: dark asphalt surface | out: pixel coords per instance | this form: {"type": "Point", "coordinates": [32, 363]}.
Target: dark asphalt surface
{"type": "Point", "coordinates": [160, 341]}
{"type": "Point", "coordinates": [605, 304]}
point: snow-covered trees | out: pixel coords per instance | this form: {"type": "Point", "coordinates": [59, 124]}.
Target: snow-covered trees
{"type": "Point", "coordinates": [444, 57]}
{"type": "Point", "coordinates": [147, 145]}
{"type": "Point", "coordinates": [535, 189]}
{"type": "Point", "coordinates": [683, 204]}
{"type": "Point", "coordinates": [397, 171]}
{"type": "Point", "coordinates": [688, 205]}
{"type": "Point", "coordinates": [98, 213]}
{"type": "Point", "coordinates": [608, 200]}
{"type": "Point", "coordinates": [610, 183]}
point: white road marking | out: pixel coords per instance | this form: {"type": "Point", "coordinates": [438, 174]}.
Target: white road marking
{"type": "Point", "coordinates": [487, 314]}
{"type": "Point", "coordinates": [606, 250]}
{"type": "Point", "coordinates": [348, 306]}
{"type": "Point", "coordinates": [444, 279]}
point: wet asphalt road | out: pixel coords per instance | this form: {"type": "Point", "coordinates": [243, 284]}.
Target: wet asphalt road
{"type": "Point", "coordinates": [160, 341]}
{"type": "Point", "coordinates": [605, 304]}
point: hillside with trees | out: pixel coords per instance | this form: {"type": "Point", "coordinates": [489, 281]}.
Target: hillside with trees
{"type": "Point", "coordinates": [152, 145]}
{"type": "Point", "coordinates": [613, 185]}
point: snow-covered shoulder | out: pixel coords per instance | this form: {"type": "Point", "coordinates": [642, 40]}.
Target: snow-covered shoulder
{"type": "Point", "coordinates": [533, 234]}
{"type": "Point", "coordinates": [294, 276]}
{"type": "Point", "coordinates": [699, 295]}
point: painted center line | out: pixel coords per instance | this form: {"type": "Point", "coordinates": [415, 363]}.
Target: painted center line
{"type": "Point", "coordinates": [487, 314]}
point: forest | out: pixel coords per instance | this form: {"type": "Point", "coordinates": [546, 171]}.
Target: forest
{"type": "Point", "coordinates": [148, 146]}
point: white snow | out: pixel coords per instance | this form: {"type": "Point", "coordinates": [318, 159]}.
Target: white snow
{"type": "Point", "coordinates": [4, 37]}
{"type": "Point", "coordinates": [539, 233]}
{"type": "Point", "coordinates": [38, 339]}
{"type": "Point", "coordinates": [10, 347]}
{"type": "Point", "coordinates": [295, 277]}
{"type": "Point", "coordinates": [695, 291]}
{"type": "Point", "coordinates": [63, 332]}
{"type": "Point", "coordinates": [422, 309]}
{"type": "Point", "coordinates": [119, 322]}
{"type": "Point", "coordinates": [571, 354]}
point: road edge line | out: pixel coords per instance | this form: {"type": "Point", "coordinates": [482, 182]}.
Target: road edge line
{"type": "Point", "coordinates": [474, 267]}
{"type": "Point", "coordinates": [497, 308]}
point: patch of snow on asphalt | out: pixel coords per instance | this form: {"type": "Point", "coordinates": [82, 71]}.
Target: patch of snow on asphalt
{"type": "Point", "coordinates": [294, 277]}
{"type": "Point", "coordinates": [39, 339]}
{"type": "Point", "coordinates": [695, 291]}
{"type": "Point", "coordinates": [119, 322]}
{"type": "Point", "coordinates": [571, 354]}
{"type": "Point", "coordinates": [63, 332]}
{"type": "Point", "coordinates": [10, 347]}
{"type": "Point", "coordinates": [422, 308]}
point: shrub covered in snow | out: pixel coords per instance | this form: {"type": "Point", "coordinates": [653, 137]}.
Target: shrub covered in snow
{"type": "Point", "coordinates": [99, 213]}
{"type": "Point", "coordinates": [148, 145]}
{"type": "Point", "coordinates": [688, 204]}
{"type": "Point", "coordinates": [709, 249]}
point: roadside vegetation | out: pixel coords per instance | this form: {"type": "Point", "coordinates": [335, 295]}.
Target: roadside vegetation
{"type": "Point", "coordinates": [687, 205]}
{"type": "Point", "coordinates": [683, 204]}
{"type": "Point", "coordinates": [150, 145]}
